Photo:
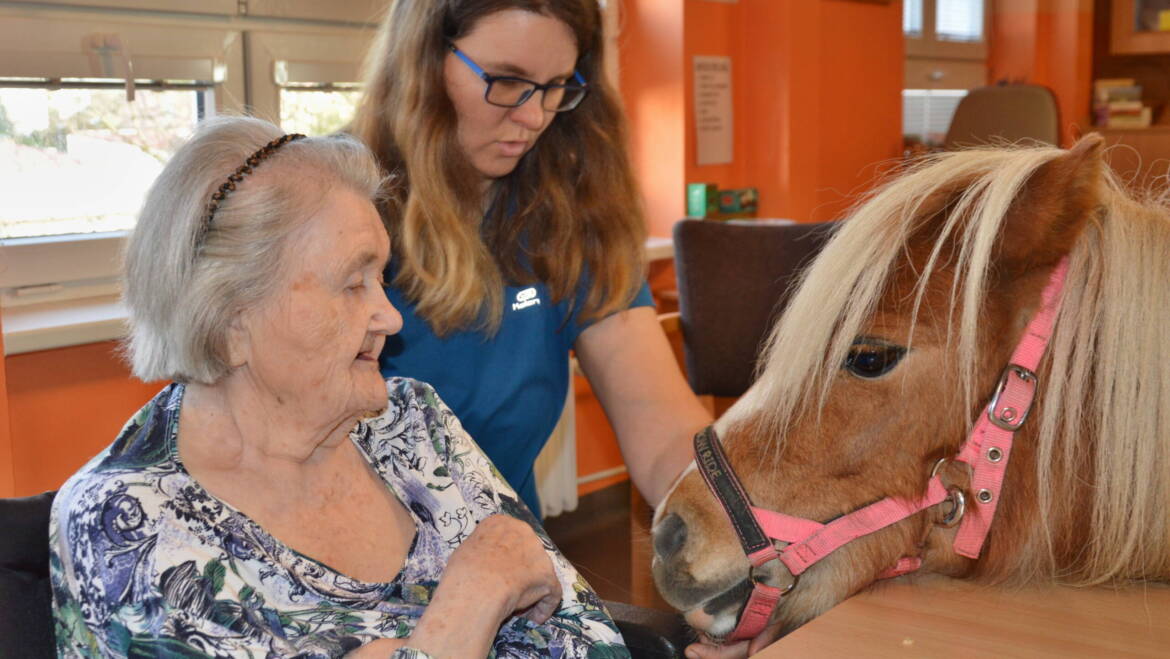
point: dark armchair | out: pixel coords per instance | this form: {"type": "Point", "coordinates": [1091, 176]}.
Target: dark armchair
{"type": "Point", "coordinates": [733, 280]}
{"type": "Point", "coordinates": [26, 622]}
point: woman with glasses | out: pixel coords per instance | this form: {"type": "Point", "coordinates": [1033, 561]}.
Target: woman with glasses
{"type": "Point", "coordinates": [517, 231]}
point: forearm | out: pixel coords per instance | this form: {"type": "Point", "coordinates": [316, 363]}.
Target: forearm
{"type": "Point", "coordinates": [648, 402]}
{"type": "Point", "coordinates": [458, 623]}
{"type": "Point", "coordinates": [656, 454]}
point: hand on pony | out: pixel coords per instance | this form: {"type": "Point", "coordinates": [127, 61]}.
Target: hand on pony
{"type": "Point", "coordinates": [706, 649]}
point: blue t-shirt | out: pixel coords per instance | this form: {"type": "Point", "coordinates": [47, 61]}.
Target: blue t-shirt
{"type": "Point", "coordinates": [508, 390]}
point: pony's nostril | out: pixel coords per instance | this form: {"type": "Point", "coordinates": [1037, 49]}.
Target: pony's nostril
{"type": "Point", "coordinates": [669, 536]}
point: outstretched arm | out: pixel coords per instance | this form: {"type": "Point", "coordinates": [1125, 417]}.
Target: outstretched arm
{"type": "Point", "coordinates": [633, 371]}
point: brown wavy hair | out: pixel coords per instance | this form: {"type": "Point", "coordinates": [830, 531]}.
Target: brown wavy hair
{"type": "Point", "coordinates": [569, 210]}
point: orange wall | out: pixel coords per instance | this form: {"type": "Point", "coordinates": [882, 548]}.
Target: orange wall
{"type": "Point", "coordinates": [651, 82]}
{"type": "Point", "coordinates": [816, 97]}
{"type": "Point", "coordinates": [65, 406]}
{"type": "Point", "coordinates": [7, 482]}
{"type": "Point", "coordinates": [859, 117]}
{"type": "Point", "coordinates": [1050, 43]}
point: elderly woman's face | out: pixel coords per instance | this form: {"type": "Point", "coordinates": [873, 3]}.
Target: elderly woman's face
{"type": "Point", "coordinates": [314, 346]}
{"type": "Point", "coordinates": [510, 42]}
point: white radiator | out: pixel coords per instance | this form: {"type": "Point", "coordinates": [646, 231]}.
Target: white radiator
{"type": "Point", "coordinates": [556, 466]}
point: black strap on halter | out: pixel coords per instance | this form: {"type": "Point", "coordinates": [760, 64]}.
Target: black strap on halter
{"type": "Point", "coordinates": [724, 484]}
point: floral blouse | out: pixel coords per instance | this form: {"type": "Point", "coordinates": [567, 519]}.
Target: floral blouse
{"type": "Point", "coordinates": [147, 563]}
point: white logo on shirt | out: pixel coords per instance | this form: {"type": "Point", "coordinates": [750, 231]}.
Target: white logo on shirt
{"type": "Point", "coordinates": [525, 298]}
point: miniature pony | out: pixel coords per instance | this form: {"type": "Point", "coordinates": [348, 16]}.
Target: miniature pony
{"type": "Point", "coordinates": [892, 346]}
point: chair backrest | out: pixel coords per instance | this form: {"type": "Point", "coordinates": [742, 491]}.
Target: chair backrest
{"type": "Point", "coordinates": [733, 280]}
{"type": "Point", "coordinates": [26, 616]}
{"type": "Point", "coordinates": [1005, 113]}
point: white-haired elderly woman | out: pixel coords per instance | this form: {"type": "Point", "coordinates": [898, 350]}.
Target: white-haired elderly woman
{"type": "Point", "coordinates": [280, 498]}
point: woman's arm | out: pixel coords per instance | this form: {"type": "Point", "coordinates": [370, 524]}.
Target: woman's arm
{"type": "Point", "coordinates": [501, 570]}
{"type": "Point", "coordinates": [635, 376]}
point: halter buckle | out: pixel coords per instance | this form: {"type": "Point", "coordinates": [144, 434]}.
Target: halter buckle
{"type": "Point", "coordinates": [1011, 419]}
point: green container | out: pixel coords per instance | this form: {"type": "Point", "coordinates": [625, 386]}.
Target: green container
{"type": "Point", "coordinates": [702, 200]}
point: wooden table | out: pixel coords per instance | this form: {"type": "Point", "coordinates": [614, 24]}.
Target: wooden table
{"type": "Point", "coordinates": [952, 619]}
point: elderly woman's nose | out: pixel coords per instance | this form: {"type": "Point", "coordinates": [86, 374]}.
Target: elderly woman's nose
{"type": "Point", "coordinates": [386, 319]}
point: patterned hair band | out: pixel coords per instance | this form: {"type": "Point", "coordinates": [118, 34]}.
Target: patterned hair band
{"type": "Point", "coordinates": [238, 175]}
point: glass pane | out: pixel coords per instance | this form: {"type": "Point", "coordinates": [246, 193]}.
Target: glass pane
{"type": "Point", "coordinates": [317, 112]}
{"type": "Point", "coordinates": [959, 20]}
{"type": "Point", "coordinates": [1151, 15]}
{"type": "Point", "coordinates": [80, 160]}
{"type": "Point", "coordinates": [912, 18]}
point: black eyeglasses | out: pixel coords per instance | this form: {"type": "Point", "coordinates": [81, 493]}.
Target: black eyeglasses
{"type": "Point", "coordinates": [511, 92]}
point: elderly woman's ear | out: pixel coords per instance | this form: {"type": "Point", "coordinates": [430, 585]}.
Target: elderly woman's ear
{"type": "Point", "coordinates": [239, 345]}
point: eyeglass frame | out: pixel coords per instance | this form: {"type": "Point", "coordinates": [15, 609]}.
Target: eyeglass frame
{"type": "Point", "coordinates": [536, 86]}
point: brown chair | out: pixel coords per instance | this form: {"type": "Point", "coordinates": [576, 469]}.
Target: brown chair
{"type": "Point", "coordinates": [733, 280]}
{"type": "Point", "coordinates": [1005, 113]}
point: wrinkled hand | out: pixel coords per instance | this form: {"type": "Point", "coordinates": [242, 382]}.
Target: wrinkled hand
{"type": "Point", "coordinates": [504, 557]}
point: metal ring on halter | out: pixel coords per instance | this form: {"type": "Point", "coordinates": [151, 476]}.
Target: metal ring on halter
{"type": "Point", "coordinates": [942, 462]}
{"type": "Point", "coordinates": [938, 466]}
{"type": "Point", "coordinates": [958, 507]}
{"type": "Point", "coordinates": [752, 577]}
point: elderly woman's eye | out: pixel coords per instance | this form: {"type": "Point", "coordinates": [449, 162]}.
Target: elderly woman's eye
{"type": "Point", "coordinates": [872, 361]}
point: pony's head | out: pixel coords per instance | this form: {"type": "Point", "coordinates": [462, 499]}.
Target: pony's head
{"type": "Point", "coordinates": [892, 346]}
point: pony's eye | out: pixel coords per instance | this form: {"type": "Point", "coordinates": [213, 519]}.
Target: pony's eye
{"type": "Point", "coordinates": [867, 360]}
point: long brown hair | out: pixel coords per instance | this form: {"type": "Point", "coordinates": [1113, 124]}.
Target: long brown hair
{"type": "Point", "coordinates": [570, 209]}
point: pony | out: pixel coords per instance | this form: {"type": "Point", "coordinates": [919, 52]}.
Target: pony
{"type": "Point", "coordinates": [892, 345]}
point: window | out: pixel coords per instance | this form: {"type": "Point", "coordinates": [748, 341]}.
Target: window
{"type": "Point", "coordinates": [912, 18]}
{"type": "Point", "coordinates": [959, 20]}
{"type": "Point", "coordinates": [946, 54]}
{"type": "Point", "coordinates": [76, 158]}
{"type": "Point", "coordinates": [79, 159]}
{"type": "Point", "coordinates": [927, 113]}
{"type": "Point", "coordinates": [308, 84]}
{"type": "Point", "coordinates": [317, 111]}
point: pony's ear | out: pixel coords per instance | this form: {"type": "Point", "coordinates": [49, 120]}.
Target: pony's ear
{"type": "Point", "coordinates": [1055, 204]}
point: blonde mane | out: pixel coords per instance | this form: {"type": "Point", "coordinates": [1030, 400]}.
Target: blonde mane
{"type": "Point", "coordinates": [1105, 388]}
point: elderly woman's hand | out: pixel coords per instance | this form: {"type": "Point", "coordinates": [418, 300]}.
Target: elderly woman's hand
{"type": "Point", "coordinates": [505, 556]}
{"type": "Point", "coordinates": [501, 570]}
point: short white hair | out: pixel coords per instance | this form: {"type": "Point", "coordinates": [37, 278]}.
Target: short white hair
{"type": "Point", "coordinates": [183, 292]}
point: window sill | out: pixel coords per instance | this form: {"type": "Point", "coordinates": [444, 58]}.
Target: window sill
{"type": "Point", "coordinates": [659, 248]}
{"type": "Point", "coordinates": [66, 323]}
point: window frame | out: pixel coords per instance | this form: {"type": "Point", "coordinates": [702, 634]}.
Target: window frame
{"type": "Point", "coordinates": [931, 63]}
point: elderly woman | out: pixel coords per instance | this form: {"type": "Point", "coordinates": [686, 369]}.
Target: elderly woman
{"type": "Point", "coordinates": [280, 498]}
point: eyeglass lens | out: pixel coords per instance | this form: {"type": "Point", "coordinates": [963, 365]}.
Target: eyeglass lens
{"type": "Point", "coordinates": [511, 92]}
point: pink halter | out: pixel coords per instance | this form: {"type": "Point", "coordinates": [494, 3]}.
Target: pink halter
{"type": "Point", "coordinates": [986, 452]}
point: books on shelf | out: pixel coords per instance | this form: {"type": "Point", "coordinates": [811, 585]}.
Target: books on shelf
{"type": "Point", "coordinates": [1117, 103]}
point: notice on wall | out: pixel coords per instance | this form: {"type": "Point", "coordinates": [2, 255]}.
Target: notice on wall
{"type": "Point", "coordinates": [714, 130]}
